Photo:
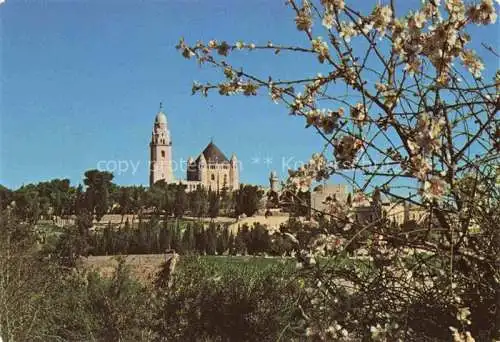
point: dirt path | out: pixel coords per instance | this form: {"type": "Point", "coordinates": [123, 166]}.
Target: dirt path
{"type": "Point", "coordinates": [143, 267]}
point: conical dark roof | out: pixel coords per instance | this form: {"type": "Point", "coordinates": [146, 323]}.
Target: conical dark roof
{"type": "Point", "coordinates": [213, 155]}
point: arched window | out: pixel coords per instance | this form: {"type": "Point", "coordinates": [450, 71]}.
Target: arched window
{"type": "Point", "coordinates": [163, 154]}
{"type": "Point", "coordinates": [213, 177]}
{"type": "Point", "coordinates": [225, 178]}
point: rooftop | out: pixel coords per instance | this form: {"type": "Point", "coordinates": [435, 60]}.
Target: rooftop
{"type": "Point", "coordinates": [213, 155]}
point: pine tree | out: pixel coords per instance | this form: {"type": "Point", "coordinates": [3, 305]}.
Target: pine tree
{"type": "Point", "coordinates": [98, 192]}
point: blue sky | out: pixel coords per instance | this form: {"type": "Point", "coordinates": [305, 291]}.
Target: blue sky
{"type": "Point", "coordinates": [82, 81]}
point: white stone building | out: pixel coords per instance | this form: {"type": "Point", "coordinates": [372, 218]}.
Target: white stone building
{"type": "Point", "coordinates": [211, 169]}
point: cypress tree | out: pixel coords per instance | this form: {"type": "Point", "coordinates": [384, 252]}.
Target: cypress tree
{"type": "Point", "coordinates": [176, 239]}
{"type": "Point", "coordinates": [240, 243]}
{"type": "Point", "coordinates": [223, 241]}
{"type": "Point", "coordinates": [188, 240]}
{"type": "Point", "coordinates": [230, 244]}
{"type": "Point", "coordinates": [165, 238]}
{"type": "Point", "coordinates": [211, 238]}
{"type": "Point", "coordinates": [200, 239]}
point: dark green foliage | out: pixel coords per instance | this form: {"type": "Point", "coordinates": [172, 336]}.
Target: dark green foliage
{"type": "Point", "coordinates": [155, 237]}
{"type": "Point", "coordinates": [45, 298]}
{"type": "Point", "coordinates": [57, 199]}
{"type": "Point", "coordinates": [223, 241]}
{"type": "Point", "coordinates": [188, 240]}
{"type": "Point", "coordinates": [213, 204]}
{"type": "Point", "coordinates": [75, 241]}
{"type": "Point", "coordinates": [57, 194]}
{"type": "Point", "coordinates": [165, 237]}
{"type": "Point", "coordinates": [258, 240]}
{"type": "Point", "coordinates": [181, 201]}
{"type": "Point", "coordinates": [231, 244]}
{"type": "Point", "coordinates": [247, 200]}
{"type": "Point", "coordinates": [161, 198]}
{"type": "Point", "coordinates": [297, 203]}
{"type": "Point", "coordinates": [125, 200]}
{"type": "Point", "coordinates": [215, 301]}
{"type": "Point", "coordinates": [89, 307]}
{"type": "Point", "coordinates": [97, 194]}
{"type": "Point", "coordinates": [78, 200]}
{"type": "Point", "coordinates": [198, 202]}
{"type": "Point", "coordinates": [211, 239]}
{"type": "Point", "coordinates": [273, 199]}
{"type": "Point", "coordinates": [226, 201]}
{"type": "Point", "coordinates": [121, 305]}
{"type": "Point", "coordinates": [281, 246]}
{"type": "Point", "coordinates": [27, 204]}
{"type": "Point", "coordinates": [240, 245]}
{"type": "Point", "coordinates": [6, 197]}
{"type": "Point", "coordinates": [200, 239]}
{"type": "Point", "coordinates": [169, 199]}
{"type": "Point", "coordinates": [176, 239]}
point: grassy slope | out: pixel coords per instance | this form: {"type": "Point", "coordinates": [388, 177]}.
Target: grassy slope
{"type": "Point", "coordinates": [144, 267]}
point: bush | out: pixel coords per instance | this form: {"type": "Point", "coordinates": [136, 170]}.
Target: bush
{"type": "Point", "coordinates": [225, 301]}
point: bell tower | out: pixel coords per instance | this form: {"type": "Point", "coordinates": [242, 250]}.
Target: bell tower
{"type": "Point", "coordinates": [273, 181]}
{"type": "Point", "coordinates": [234, 173]}
{"type": "Point", "coordinates": [161, 151]}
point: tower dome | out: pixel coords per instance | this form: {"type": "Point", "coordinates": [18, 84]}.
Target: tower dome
{"type": "Point", "coordinates": [161, 118]}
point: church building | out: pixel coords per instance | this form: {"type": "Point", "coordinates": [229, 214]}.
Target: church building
{"type": "Point", "coordinates": [211, 169]}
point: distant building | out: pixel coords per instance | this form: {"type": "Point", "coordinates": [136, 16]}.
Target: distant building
{"type": "Point", "coordinates": [325, 191]}
{"type": "Point", "coordinates": [402, 213]}
{"type": "Point", "coordinates": [211, 169]}
{"type": "Point", "coordinates": [368, 210]}
{"type": "Point", "coordinates": [273, 182]}
{"type": "Point", "coordinates": [272, 194]}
